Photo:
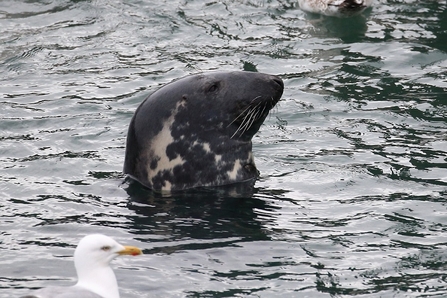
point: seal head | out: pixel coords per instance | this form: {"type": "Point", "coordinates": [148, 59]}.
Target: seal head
{"type": "Point", "coordinates": [197, 131]}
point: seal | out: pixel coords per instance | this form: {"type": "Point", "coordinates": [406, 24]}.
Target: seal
{"type": "Point", "coordinates": [337, 8]}
{"type": "Point", "coordinates": [197, 131]}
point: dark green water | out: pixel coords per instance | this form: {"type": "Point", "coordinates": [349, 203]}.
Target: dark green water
{"type": "Point", "coordinates": [352, 198]}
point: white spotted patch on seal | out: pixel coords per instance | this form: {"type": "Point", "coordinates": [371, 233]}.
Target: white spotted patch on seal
{"type": "Point", "coordinates": [158, 147]}
{"type": "Point", "coordinates": [197, 131]}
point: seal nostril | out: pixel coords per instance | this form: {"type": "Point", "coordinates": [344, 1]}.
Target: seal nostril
{"type": "Point", "coordinates": [278, 81]}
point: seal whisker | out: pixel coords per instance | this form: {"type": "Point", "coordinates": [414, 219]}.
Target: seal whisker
{"type": "Point", "coordinates": [247, 114]}
{"type": "Point", "coordinates": [245, 122]}
{"type": "Point", "coordinates": [253, 109]}
{"type": "Point", "coordinates": [247, 108]}
{"type": "Point", "coordinates": [250, 120]}
{"type": "Point", "coordinates": [255, 99]}
{"type": "Point", "coordinates": [239, 115]}
{"type": "Point", "coordinates": [242, 126]}
{"type": "Point", "coordinates": [251, 116]}
{"type": "Point", "coordinates": [263, 109]}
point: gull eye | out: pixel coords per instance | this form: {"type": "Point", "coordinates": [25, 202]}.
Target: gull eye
{"type": "Point", "coordinates": [105, 248]}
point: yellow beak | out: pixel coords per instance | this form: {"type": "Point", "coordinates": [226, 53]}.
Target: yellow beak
{"type": "Point", "coordinates": [130, 250]}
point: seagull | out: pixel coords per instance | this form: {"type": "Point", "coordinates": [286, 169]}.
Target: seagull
{"type": "Point", "coordinates": [337, 8]}
{"type": "Point", "coordinates": [95, 277]}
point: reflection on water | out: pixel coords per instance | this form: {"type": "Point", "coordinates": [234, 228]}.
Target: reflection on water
{"type": "Point", "coordinates": [348, 30]}
{"type": "Point", "coordinates": [352, 195]}
{"type": "Point", "coordinates": [205, 214]}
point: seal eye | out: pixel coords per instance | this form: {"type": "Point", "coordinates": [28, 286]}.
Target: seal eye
{"type": "Point", "coordinates": [213, 87]}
